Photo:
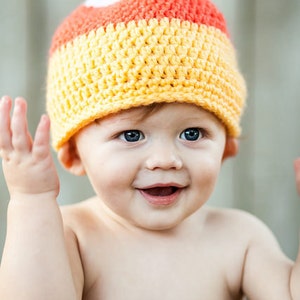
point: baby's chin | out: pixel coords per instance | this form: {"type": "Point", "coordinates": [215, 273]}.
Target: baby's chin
{"type": "Point", "coordinates": [160, 223]}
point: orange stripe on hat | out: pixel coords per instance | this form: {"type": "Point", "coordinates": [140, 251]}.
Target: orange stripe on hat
{"type": "Point", "coordinates": [85, 19]}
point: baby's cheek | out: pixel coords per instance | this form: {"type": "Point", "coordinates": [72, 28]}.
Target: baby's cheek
{"type": "Point", "coordinates": [208, 172]}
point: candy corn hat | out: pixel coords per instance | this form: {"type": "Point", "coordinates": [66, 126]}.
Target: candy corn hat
{"type": "Point", "coordinates": [108, 56]}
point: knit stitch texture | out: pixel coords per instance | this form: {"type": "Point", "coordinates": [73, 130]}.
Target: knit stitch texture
{"type": "Point", "coordinates": [138, 52]}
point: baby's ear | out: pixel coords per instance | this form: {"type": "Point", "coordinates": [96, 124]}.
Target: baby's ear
{"type": "Point", "coordinates": [69, 158]}
{"type": "Point", "coordinates": [231, 148]}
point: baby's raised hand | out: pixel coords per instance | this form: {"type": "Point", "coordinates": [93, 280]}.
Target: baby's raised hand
{"type": "Point", "coordinates": [27, 164]}
{"type": "Point", "coordinates": [297, 173]}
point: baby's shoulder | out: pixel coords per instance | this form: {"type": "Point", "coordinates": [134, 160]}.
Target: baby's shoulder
{"type": "Point", "coordinates": [229, 215]}
{"type": "Point", "coordinates": [237, 222]}
{"type": "Point", "coordinates": [80, 217]}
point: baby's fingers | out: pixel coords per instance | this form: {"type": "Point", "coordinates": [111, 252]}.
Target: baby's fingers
{"type": "Point", "coordinates": [41, 147]}
{"type": "Point", "coordinates": [21, 139]}
{"type": "Point", "coordinates": [5, 131]}
{"type": "Point", "coordinates": [297, 174]}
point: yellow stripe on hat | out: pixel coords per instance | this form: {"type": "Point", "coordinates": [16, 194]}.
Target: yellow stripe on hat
{"type": "Point", "coordinates": [140, 63]}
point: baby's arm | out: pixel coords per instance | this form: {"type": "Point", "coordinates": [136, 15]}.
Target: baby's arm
{"type": "Point", "coordinates": [35, 263]}
{"type": "Point", "coordinates": [268, 274]}
{"type": "Point", "coordinates": [295, 279]}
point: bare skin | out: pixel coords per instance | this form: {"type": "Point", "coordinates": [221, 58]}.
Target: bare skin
{"type": "Point", "coordinates": [102, 248]}
{"type": "Point", "coordinates": [297, 174]}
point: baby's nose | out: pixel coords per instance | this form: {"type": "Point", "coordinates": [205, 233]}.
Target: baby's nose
{"type": "Point", "coordinates": [164, 157]}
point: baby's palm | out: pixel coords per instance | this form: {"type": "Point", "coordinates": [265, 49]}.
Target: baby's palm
{"type": "Point", "coordinates": [27, 164]}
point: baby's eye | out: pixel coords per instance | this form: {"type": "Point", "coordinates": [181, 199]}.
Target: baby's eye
{"type": "Point", "coordinates": [132, 136]}
{"type": "Point", "coordinates": [191, 134]}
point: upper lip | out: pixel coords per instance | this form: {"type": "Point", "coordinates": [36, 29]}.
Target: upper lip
{"type": "Point", "coordinates": [157, 185]}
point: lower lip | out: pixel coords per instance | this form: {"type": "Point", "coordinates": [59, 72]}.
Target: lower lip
{"type": "Point", "coordinates": [161, 201]}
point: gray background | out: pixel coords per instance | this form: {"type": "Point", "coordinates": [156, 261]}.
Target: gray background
{"type": "Point", "coordinates": [266, 35]}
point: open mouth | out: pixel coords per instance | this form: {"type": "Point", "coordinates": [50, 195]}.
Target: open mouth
{"type": "Point", "coordinates": [161, 195]}
{"type": "Point", "coordinates": [161, 191]}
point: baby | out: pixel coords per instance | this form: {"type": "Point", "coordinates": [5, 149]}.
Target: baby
{"type": "Point", "coordinates": [145, 98]}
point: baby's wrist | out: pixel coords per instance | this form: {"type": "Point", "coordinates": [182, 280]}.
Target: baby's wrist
{"type": "Point", "coordinates": [22, 197]}
{"type": "Point", "coordinates": [24, 207]}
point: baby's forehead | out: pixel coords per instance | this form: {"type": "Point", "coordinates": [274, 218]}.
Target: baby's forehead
{"type": "Point", "coordinates": [180, 110]}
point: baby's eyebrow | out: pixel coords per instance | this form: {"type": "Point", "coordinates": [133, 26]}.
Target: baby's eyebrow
{"type": "Point", "coordinates": [117, 119]}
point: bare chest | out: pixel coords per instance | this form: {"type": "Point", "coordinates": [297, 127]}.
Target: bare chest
{"type": "Point", "coordinates": [167, 273]}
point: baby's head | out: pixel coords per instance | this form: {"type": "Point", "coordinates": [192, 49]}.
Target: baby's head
{"type": "Point", "coordinates": [109, 56]}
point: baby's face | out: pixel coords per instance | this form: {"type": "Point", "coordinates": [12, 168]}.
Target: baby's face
{"type": "Point", "coordinates": [155, 171]}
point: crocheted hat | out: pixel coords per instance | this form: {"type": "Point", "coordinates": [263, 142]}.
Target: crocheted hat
{"type": "Point", "coordinates": [113, 55]}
